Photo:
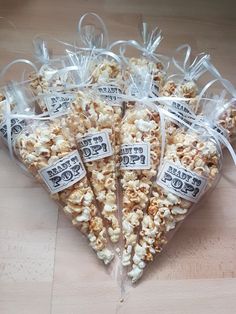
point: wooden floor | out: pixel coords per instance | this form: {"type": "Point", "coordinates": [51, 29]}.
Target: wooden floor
{"type": "Point", "coordinates": [45, 265]}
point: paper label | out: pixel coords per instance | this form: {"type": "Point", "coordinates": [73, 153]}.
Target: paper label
{"type": "Point", "coordinates": [180, 111]}
{"type": "Point", "coordinates": [95, 146]}
{"type": "Point", "coordinates": [17, 125]}
{"type": "Point", "coordinates": [135, 156]}
{"type": "Point", "coordinates": [63, 173]}
{"type": "Point", "coordinates": [58, 103]}
{"type": "Point", "coordinates": [111, 94]}
{"type": "Point", "coordinates": [134, 90]}
{"type": "Point", "coordinates": [182, 182]}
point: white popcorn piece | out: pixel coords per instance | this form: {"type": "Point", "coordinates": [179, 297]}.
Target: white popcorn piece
{"type": "Point", "coordinates": [105, 255]}
{"type": "Point", "coordinates": [136, 273]}
{"type": "Point", "coordinates": [43, 144]}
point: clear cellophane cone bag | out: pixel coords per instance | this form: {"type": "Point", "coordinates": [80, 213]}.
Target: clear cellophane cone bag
{"type": "Point", "coordinates": [47, 148]}
{"type": "Point", "coordinates": [91, 121]}
{"type": "Point", "coordinates": [140, 140]}
{"type": "Point", "coordinates": [189, 169]}
{"type": "Point", "coordinates": [49, 151]}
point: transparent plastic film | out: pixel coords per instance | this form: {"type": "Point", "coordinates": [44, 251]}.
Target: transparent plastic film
{"type": "Point", "coordinates": [93, 32]}
{"type": "Point", "coordinates": [13, 100]}
{"type": "Point", "coordinates": [222, 107]}
{"type": "Point", "coordinates": [190, 167]}
{"type": "Point", "coordinates": [148, 59]}
{"type": "Point", "coordinates": [140, 156]}
{"type": "Point", "coordinates": [48, 150]}
{"type": "Point", "coordinates": [107, 68]}
{"type": "Point", "coordinates": [91, 122]}
{"type": "Point", "coordinates": [185, 81]}
{"type": "Point", "coordinates": [217, 108]}
{"type": "Point", "coordinates": [141, 141]}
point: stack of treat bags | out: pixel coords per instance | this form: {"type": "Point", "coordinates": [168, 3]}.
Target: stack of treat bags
{"type": "Point", "coordinates": [127, 146]}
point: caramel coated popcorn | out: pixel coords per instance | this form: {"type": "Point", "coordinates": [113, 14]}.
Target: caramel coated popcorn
{"type": "Point", "coordinates": [45, 145]}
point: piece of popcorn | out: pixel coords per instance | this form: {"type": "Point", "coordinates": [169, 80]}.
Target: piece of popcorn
{"type": "Point", "coordinates": [166, 209]}
{"type": "Point", "coordinates": [43, 144]}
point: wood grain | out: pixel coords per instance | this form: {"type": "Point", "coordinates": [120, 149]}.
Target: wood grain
{"type": "Point", "coordinates": [45, 264]}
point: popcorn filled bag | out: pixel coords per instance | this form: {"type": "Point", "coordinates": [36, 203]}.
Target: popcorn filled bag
{"type": "Point", "coordinates": [140, 138]}
{"type": "Point", "coordinates": [140, 156]}
{"type": "Point", "coordinates": [47, 149]}
{"type": "Point", "coordinates": [90, 121]}
{"type": "Point", "coordinates": [189, 168]}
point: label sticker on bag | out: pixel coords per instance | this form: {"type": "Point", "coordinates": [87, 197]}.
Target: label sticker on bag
{"type": "Point", "coordinates": [180, 111]}
{"type": "Point", "coordinates": [111, 94]}
{"type": "Point", "coordinates": [17, 126]}
{"type": "Point", "coordinates": [95, 146]}
{"type": "Point", "coordinates": [58, 103]}
{"type": "Point", "coordinates": [63, 173]}
{"type": "Point", "coordinates": [181, 182]}
{"type": "Point", "coordinates": [135, 156]}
